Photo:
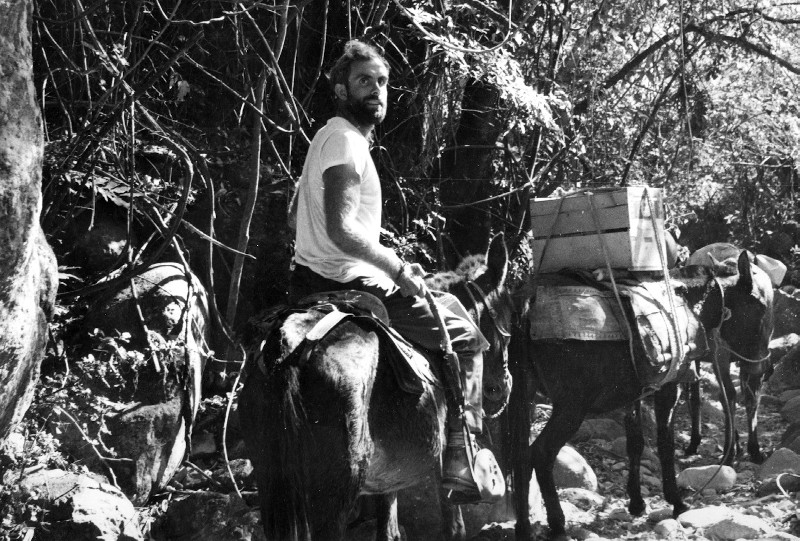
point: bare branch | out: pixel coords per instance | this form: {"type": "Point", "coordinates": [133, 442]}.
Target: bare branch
{"type": "Point", "coordinates": [744, 44]}
{"type": "Point", "coordinates": [625, 70]}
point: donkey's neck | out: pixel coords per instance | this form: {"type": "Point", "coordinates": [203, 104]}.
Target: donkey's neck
{"type": "Point", "coordinates": [703, 292]}
{"type": "Point", "coordinates": [696, 282]}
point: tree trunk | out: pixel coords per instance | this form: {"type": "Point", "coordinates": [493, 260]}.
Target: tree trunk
{"type": "Point", "coordinates": [466, 169]}
{"type": "Point", "coordinates": [28, 270]}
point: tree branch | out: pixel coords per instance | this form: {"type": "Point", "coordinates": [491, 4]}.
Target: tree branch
{"type": "Point", "coordinates": [744, 44]}
{"type": "Point", "coordinates": [624, 71]}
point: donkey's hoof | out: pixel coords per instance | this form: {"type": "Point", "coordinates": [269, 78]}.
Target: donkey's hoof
{"type": "Point", "coordinates": [522, 530]}
{"type": "Point", "coordinates": [636, 508]}
{"type": "Point", "coordinates": [679, 509]}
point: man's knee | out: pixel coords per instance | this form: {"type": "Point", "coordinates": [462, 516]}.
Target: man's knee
{"type": "Point", "coordinates": [466, 340]}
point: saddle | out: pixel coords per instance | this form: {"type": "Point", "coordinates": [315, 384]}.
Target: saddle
{"type": "Point", "coordinates": [576, 305]}
{"type": "Point", "coordinates": [410, 366]}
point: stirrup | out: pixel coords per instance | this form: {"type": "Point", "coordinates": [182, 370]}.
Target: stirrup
{"type": "Point", "coordinates": [477, 478]}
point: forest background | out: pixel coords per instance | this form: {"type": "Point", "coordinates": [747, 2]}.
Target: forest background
{"type": "Point", "coordinates": [176, 131]}
{"type": "Point", "coordinates": [181, 127]}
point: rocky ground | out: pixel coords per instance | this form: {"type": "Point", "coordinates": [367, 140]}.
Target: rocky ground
{"type": "Point", "coordinates": [590, 516]}
{"type": "Point", "coordinates": [201, 503]}
{"type": "Point", "coordinates": [606, 517]}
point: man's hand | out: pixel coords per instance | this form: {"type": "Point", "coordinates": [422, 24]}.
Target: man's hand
{"type": "Point", "coordinates": [410, 280]}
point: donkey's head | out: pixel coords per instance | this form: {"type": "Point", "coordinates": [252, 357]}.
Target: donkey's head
{"type": "Point", "coordinates": [748, 323]}
{"type": "Point", "coordinates": [479, 283]}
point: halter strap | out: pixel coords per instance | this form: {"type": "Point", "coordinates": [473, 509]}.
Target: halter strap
{"type": "Point", "coordinates": [489, 309]}
{"type": "Point", "coordinates": [468, 285]}
{"type": "Point", "coordinates": [726, 314]}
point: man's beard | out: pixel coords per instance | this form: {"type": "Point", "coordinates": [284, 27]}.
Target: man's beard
{"type": "Point", "coordinates": [363, 113]}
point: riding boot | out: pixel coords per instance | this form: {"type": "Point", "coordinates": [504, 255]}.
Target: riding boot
{"type": "Point", "coordinates": [471, 474]}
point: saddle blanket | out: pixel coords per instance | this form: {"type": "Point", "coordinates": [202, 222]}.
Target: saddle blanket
{"type": "Point", "coordinates": [575, 305]}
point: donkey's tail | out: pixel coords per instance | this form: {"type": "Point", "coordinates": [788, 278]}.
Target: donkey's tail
{"type": "Point", "coordinates": [276, 432]}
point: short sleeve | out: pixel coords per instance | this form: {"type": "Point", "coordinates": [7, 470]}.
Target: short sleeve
{"type": "Point", "coordinates": [343, 147]}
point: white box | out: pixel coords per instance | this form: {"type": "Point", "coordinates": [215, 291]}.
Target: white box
{"type": "Point", "coordinates": [567, 234]}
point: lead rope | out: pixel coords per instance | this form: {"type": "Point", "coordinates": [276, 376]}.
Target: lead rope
{"type": "Point", "coordinates": [670, 293]}
{"type": "Point", "coordinates": [451, 360]}
{"type": "Point", "coordinates": [723, 345]}
{"type": "Point", "coordinates": [613, 281]}
{"type": "Point", "coordinates": [717, 340]}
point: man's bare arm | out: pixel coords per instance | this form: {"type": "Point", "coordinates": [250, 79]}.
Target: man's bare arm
{"type": "Point", "coordinates": [342, 197]}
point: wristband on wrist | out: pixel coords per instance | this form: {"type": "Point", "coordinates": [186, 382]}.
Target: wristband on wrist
{"type": "Point", "coordinates": [403, 266]}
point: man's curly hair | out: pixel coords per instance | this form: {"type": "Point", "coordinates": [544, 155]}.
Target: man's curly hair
{"type": "Point", "coordinates": [354, 51]}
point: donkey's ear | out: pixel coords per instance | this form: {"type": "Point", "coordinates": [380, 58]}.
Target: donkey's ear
{"type": "Point", "coordinates": [713, 264]}
{"type": "Point", "coordinates": [745, 272]}
{"type": "Point", "coordinates": [497, 259]}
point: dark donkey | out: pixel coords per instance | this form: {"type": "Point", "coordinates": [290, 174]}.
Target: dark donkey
{"type": "Point", "coordinates": [582, 377]}
{"type": "Point", "coordinates": [754, 364]}
{"type": "Point", "coordinates": [323, 429]}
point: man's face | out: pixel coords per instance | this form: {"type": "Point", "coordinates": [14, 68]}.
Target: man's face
{"type": "Point", "coordinates": [365, 96]}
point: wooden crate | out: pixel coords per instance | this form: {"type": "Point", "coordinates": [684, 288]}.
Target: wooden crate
{"type": "Point", "coordinates": [565, 232]}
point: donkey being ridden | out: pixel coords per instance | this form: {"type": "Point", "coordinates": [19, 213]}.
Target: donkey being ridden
{"type": "Point", "coordinates": [338, 421]}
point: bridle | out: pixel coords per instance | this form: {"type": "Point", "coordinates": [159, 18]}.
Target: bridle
{"type": "Point", "coordinates": [724, 316]}
{"type": "Point", "coordinates": [472, 288]}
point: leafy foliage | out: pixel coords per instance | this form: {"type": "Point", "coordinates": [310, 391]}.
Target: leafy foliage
{"type": "Point", "coordinates": [699, 99]}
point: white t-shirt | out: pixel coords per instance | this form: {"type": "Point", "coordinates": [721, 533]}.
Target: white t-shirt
{"type": "Point", "coordinates": [337, 143]}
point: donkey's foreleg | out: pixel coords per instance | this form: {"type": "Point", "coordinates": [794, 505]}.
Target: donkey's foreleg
{"type": "Point", "coordinates": [665, 400]}
{"type": "Point", "coordinates": [727, 393]}
{"type": "Point", "coordinates": [751, 388]}
{"type": "Point", "coordinates": [635, 445]}
{"type": "Point", "coordinates": [453, 528]}
{"type": "Point", "coordinates": [562, 425]}
{"type": "Point", "coordinates": [387, 528]}
{"type": "Point", "coordinates": [694, 413]}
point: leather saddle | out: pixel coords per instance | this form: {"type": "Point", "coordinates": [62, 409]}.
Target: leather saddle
{"type": "Point", "coordinates": [409, 365]}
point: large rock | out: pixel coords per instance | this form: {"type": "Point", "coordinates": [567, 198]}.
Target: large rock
{"type": "Point", "coordinates": [787, 373]}
{"type": "Point", "coordinates": [28, 270]}
{"type": "Point", "coordinates": [779, 484]}
{"type": "Point", "coordinates": [151, 417]}
{"type": "Point", "coordinates": [781, 345]}
{"type": "Point", "coordinates": [719, 478]}
{"type": "Point", "coordinates": [572, 471]}
{"type": "Point", "coordinates": [738, 526]}
{"type": "Point", "coordinates": [791, 438]}
{"type": "Point", "coordinates": [791, 410]}
{"type": "Point", "coordinates": [80, 508]}
{"type": "Point", "coordinates": [786, 308]}
{"type": "Point", "coordinates": [705, 517]}
{"type": "Point", "coordinates": [153, 439]}
{"type": "Point", "coordinates": [598, 428]}
{"type": "Point", "coordinates": [783, 460]}
{"type": "Point", "coordinates": [99, 247]}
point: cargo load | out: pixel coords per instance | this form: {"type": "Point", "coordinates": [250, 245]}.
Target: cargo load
{"type": "Point", "coordinates": [590, 229]}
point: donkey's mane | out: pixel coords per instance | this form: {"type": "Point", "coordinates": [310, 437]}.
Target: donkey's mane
{"type": "Point", "coordinates": [469, 269]}
{"type": "Point", "coordinates": [698, 275]}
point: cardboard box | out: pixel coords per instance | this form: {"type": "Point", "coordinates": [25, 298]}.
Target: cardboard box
{"type": "Point", "coordinates": [565, 230]}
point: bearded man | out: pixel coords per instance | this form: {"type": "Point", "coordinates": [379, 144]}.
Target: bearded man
{"type": "Point", "coordinates": [337, 218]}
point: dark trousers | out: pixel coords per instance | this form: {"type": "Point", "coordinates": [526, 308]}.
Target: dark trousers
{"type": "Point", "coordinates": [413, 319]}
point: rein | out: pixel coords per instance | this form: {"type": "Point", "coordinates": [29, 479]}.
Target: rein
{"type": "Point", "coordinates": [722, 345]}
{"type": "Point", "coordinates": [498, 329]}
